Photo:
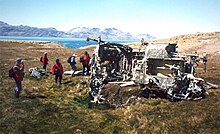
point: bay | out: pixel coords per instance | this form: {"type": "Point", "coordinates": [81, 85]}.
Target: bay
{"type": "Point", "coordinates": [73, 43]}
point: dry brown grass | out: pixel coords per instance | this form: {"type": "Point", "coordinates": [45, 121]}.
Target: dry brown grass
{"type": "Point", "coordinates": [47, 108]}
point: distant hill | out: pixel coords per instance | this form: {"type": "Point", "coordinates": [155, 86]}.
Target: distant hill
{"type": "Point", "coordinates": [107, 33]}
{"type": "Point", "coordinates": [145, 36]}
{"type": "Point", "coordinates": [193, 39]}
{"type": "Point", "coordinates": [9, 30]}
{"type": "Point", "coordinates": [78, 32]}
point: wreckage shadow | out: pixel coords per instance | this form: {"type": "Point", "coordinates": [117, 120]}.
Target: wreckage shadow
{"type": "Point", "coordinates": [68, 82]}
{"type": "Point", "coordinates": [154, 94]}
{"type": "Point", "coordinates": [36, 96]}
{"type": "Point", "coordinates": [33, 95]}
{"type": "Point", "coordinates": [144, 94]}
{"type": "Point", "coordinates": [100, 106]}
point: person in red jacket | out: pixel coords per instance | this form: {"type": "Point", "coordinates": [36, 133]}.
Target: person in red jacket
{"type": "Point", "coordinates": [18, 70]}
{"type": "Point", "coordinates": [84, 59]}
{"type": "Point", "coordinates": [44, 61]}
{"type": "Point", "coordinates": [57, 70]}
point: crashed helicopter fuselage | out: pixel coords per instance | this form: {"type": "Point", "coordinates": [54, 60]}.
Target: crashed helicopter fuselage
{"type": "Point", "coordinates": [159, 67]}
{"type": "Point", "coordinates": [170, 72]}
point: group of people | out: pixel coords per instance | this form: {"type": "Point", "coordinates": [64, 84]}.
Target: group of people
{"type": "Point", "coordinates": [84, 59]}
{"type": "Point", "coordinates": [17, 71]}
{"type": "Point", "coordinates": [192, 63]}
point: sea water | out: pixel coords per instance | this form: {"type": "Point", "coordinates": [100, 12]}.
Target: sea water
{"type": "Point", "coordinates": [74, 43]}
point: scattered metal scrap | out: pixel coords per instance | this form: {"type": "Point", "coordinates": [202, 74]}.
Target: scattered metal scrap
{"type": "Point", "coordinates": [160, 67]}
{"type": "Point", "coordinates": [36, 72]}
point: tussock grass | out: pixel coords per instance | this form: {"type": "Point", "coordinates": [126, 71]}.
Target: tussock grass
{"type": "Point", "coordinates": [45, 107]}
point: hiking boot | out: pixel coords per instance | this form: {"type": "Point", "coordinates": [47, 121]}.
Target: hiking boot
{"type": "Point", "coordinates": [16, 94]}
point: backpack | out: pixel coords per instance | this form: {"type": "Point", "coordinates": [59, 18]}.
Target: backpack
{"type": "Point", "coordinates": [81, 59]}
{"type": "Point", "coordinates": [41, 59]}
{"type": "Point", "coordinates": [11, 72]}
{"type": "Point", "coordinates": [69, 60]}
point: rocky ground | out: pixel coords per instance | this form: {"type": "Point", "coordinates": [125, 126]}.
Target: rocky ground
{"type": "Point", "coordinates": [45, 107]}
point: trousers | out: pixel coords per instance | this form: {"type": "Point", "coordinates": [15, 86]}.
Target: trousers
{"type": "Point", "coordinates": [60, 78]}
{"type": "Point", "coordinates": [18, 87]}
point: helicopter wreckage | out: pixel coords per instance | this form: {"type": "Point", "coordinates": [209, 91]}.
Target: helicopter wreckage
{"type": "Point", "coordinates": [160, 69]}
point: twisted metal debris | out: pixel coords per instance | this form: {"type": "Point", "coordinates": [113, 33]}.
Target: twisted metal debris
{"type": "Point", "coordinates": [160, 67]}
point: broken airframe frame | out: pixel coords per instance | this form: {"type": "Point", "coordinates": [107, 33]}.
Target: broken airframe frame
{"type": "Point", "coordinates": [160, 67]}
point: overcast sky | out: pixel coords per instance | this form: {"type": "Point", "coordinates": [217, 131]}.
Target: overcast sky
{"type": "Point", "coordinates": [160, 18]}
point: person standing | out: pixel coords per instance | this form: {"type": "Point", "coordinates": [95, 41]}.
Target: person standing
{"type": "Point", "coordinates": [142, 41]}
{"type": "Point", "coordinates": [44, 61]}
{"type": "Point", "coordinates": [84, 59]}
{"type": "Point", "coordinates": [71, 60]}
{"type": "Point", "coordinates": [57, 70]}
{"type": "Point", "coordinates": [189, 67]}
{"type": "Point", "coordinates": [18, 70]}
{"type": "Point", "coordinates": [204, 59]}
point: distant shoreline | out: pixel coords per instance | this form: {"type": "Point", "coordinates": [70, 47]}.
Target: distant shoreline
{"type": "Point", "coordinates": [72, 43]}
{"type": "Point", "coordinates": [28, 41]}
{"type": "Point", "coordinates": [48, 44]}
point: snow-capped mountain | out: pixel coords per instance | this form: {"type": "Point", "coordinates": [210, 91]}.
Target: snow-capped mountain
{"type": "Point", "coordinates": [107, 33]}
{"type": "Point", "coordinates": [145, 36]}
{"type": "Point", "coordinates": [78, 32]}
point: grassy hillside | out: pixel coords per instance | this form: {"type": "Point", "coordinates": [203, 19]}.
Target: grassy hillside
{"type": "Point", "coordinates": [45, 107]}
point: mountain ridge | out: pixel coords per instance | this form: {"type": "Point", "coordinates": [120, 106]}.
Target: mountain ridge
{"type": "Point", "coordinates": [77, 32]}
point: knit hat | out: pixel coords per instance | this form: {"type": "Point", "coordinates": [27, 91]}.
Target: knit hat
{"type": "Point", "coordinates": [18, 60]}
{"type": "Point", "coordinates": [57, 60]}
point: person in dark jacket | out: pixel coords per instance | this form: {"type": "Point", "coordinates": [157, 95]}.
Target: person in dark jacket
{"type": "Point", "coordinates": [57, 70]}
{"type": "Point", "coordinates": [18, 70]}
{"type": "Point", "coordinates": [204, 59]}
{"type": "Point", "coordinates": [44, 61]}
{"type": "Point", "coordinates": [84, 59]}
{"type": "Point", "coordinates": [71, 60]}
